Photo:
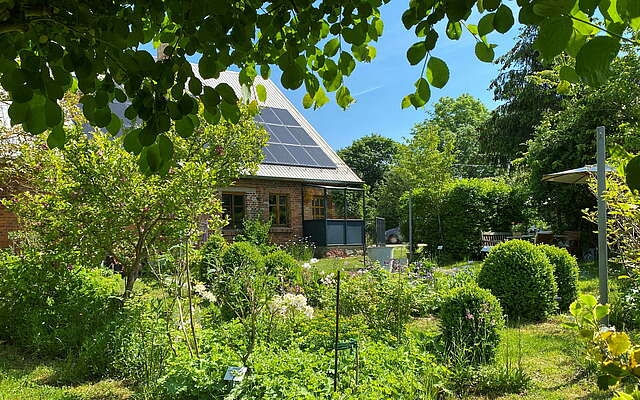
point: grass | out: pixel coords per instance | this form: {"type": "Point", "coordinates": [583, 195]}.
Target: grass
{"type": "Point", "coordinates": [551, 355]}
{"type": "Point", "coordinates": [25, 378]}
{"type": "Point", "coordinates": [331, 264]}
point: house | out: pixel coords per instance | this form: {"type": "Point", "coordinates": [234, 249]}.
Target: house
{"type": "Point", "coordinates": [302, 185]}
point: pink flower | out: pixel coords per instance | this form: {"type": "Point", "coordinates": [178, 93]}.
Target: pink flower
{"type": "Point", "coordinates": [469, 316]}
{"type": "Point", "coordinates": [219, 150]}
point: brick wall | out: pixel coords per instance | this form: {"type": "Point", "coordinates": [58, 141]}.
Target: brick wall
{"type": "Point", "coordinates": [257, 193]}
{"type": "Point", "coordinates": [8, 223]}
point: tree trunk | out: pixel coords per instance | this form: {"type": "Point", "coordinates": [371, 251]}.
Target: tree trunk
{"type": "Point", "coordinates": [130, 279]}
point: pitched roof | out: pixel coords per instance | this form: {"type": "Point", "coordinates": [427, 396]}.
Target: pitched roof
{"type": "Point", "coordinates": [341, 174]}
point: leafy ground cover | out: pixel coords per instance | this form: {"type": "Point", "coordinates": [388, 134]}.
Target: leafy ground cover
{"type": "Point", "coordinates": [549, 354]}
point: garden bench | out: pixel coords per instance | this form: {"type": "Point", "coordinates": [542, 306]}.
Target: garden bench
{"type": "Point", "coordinates": [490, 239]}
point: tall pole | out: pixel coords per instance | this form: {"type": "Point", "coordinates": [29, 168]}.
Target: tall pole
{"type": "Point", "coordinates": [602, 219]}
{"type": "Point", "coordinates": [335, 345]}
{"type": "Point", "coordinates": [410, 225]}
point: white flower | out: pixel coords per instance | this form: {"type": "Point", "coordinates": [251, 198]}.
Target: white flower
{"type": "Point", "coordinates": [291, 303]}
{"type": "Point", "coordinates": [313, 261]}
{"type": "Point", "coordinates": [306, 265]}
{"type": "Point", "coordinates": [204, 293]}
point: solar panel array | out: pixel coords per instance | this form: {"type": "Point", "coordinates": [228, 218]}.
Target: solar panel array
{"type": "Point", "coordinates": [289, 143]}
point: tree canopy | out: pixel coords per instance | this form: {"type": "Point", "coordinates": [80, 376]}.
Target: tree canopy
{"type": "Point", "coordinates": [92, 197]}
{"type": "Point", "coordinates": [370, 157]}
{"type": "Point", "coordinates": [49, 48]}
{"type": "Point", "coordinates": [458, 121]}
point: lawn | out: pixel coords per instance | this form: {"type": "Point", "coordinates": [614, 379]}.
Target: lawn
{"type": "Point", "coordinates": [25, 378]}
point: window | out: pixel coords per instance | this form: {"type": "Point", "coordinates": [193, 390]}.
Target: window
{"type": "Point", "coordinates": [317, 207]}
{"type": "Point", "coordinates": [279, 209]}
{"type": "Point", "coordinates": [233, 208]}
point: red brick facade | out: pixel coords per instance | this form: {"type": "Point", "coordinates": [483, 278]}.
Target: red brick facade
{"type": "Point", "coordinates": [256, 199]}
{"type": "Point", "coordinates": [8, 223]}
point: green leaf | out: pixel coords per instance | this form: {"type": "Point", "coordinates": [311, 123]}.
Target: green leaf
{"type": "Point", "coordinates": [53, 113]}
{"type": "Point", "coordinates": [165, 147]}
{"type": "Point", "coordinates": [423, 92]}
{"type": "Point", "coordinates": [601, 311]}
{"type": "Point", "coordinates": [503, 20]}
{"type": "Point", "coordinates": [22, 94]}
{"type": "Point", "coordinates": [588, 6]}
{"type": "Point", "coordinates": [552, 8]}
{"type": "Point", "coordinates": [553, 37]}
{"type": "Point", "coordinates": [262, 93]}
{"type": "Point", "coordinates": [416, 53]}
{"type": "Point", "coordinates": [454, 30]}
{"type": "Point", "coordinates": [195, 86]}
{"type": "Point", "coordinates": [185, 127]}
{"type": "Point", "coordinates": [343, 97]}
{"type": "Point", "coordinates": [226, 92]}
{"type": "Point", "coordinates": [484, 52]}
{"type": "Point", "coordinates": [346, 63]}
{"type": "Point", "coordinates": [568, 74]}
{"type": "Point", "coordinates": [56, 138]}
{"type": "Point", "coordinates": [473, 29]}
{"type": "Point", "coordinates": [406, 102]}
{"type": "Point", "coordinates": [131, 142]}
{"type": "Point", "coordinates": [114, 125]}
{"type": "Point", "coordinates": [331, 47]}
{"type": "Point", "coordinates": [437, 72]}
{"type": "Point", "coordinates": [618, 343]}
{"type": "Point", "coordinates": [563, 87]}
{"type": "Point", "coordinates": [230, 112]}
{"type": "Point", "coordinates": [35, 122]}
{"type": "Point", "coordinates": [632, 173]}
{"type": "Point", "coordinates": [208, 67]}
{"type": "Point", "coordinates": [594, 60]}
{"type": "Point", "coordinates": [265, 71]}
{"type": "Point", "coordinates": [458, 9]}
{"type": "Point", "coordinates": [101, 117]}
{"type": "Point", "coordinates": [307, 101]}
{"type": "Point", "coordinates": [18, 112]}
{"type": "Point", "coordinates": [485, 26]}
{"type": "Point", "coordinates": [491, 5]}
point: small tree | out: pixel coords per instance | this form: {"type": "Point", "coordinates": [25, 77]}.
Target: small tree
{"type": "Point", "coordinates": [95, 198]}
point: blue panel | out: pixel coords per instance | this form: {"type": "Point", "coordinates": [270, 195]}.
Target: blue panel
{"type": "Point", "coordinates": [354, 232]}
{"type": "Point", "coordinates": [273, 137]}
{"type": "Point", "coordinates": [268, 157]}
{"type": "Point", "coordinates": [321, 158]}
{"type": "Point", "coordinates": [302, 156]}
{"type": "Point", "coordinates": [283, 134]}
{"type": "Point", "coordinates": [286, 117]}
{"type": "Point", "coordinates": [335, 232]}
{"type": "Point", "coordinates": [281, 154]}
{"type": "Point", "coordinates": [269, 116]}
{"type": "Point", "coordinates": [302, 136]}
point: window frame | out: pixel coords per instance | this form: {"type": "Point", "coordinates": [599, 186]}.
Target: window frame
{"type": "Point", "coordinates": [275, 222]}
{"type": "Point", "coordinates": [232, 225]}
{"type": "Point", "coordinates": [318, 210]}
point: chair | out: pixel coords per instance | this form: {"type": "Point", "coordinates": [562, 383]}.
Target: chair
{"type": "Point", "coordinates": [490, 239]}
{"type": "Point", "coordinates": [546, 237]}
{"type": "Point", "coordinates": [573, 242]}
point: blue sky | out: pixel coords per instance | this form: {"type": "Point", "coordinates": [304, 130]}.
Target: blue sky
{"type": "Point", "coordinates": [379, 87]}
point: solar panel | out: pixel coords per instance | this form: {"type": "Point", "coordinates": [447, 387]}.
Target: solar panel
{"type": "Point", "coordinates": [289, 143]}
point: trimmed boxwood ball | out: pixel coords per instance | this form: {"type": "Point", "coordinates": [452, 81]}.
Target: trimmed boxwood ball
{"type": "Point", "coordinates": [521, 276]}
{"type": "Point", "coordinates": [566, 273]}
{"type": "Point", "coordinates": [470, 320]}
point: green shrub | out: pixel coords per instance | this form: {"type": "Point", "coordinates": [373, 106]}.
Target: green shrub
{"type": "Point", "coordinates": [466, 208]}
{"type": "Point", "coordinates": [211, 252]}
{"type": "Point", "coordinates": [470, 321]}
{"type": "Point", "coordinates": [520, 275]}
{"type": "Point", "coordinates": [284, 267]}
{"type": "Point", "coordinates": [566, 272]}
{"type": "Point", "coordinates": [256, 232]}
{"type": "Point", "coordinates": [52, 308]}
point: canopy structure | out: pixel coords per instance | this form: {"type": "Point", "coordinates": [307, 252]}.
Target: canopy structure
{"type": "Point", "coordinates": [576, 175]}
